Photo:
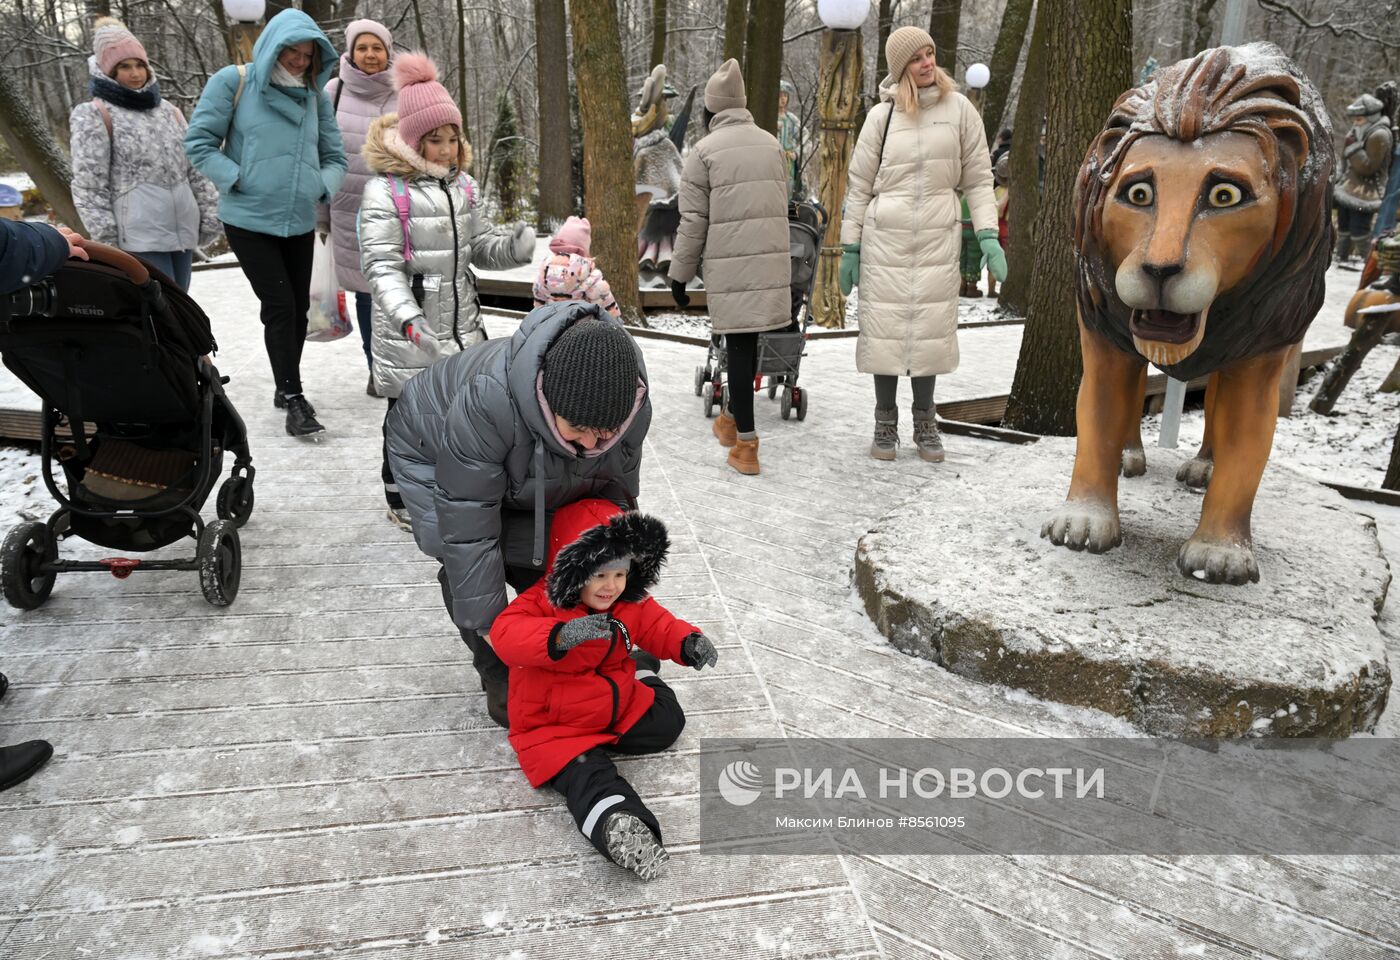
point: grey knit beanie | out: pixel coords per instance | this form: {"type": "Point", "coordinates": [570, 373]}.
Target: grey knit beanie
{"type": "Point", "coordinates": [901, 47]}
{"type": "Point", "coordinates": [590, 375]}
{"type": "Point", "coordinates": [725, 88]}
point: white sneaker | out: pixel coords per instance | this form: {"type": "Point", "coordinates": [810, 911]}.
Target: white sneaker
{"type": "Point", "coordinates": [400, 518]}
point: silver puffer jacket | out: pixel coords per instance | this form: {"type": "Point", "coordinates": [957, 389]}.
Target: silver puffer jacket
{"type": "Point", "coordinates": [448, 235]}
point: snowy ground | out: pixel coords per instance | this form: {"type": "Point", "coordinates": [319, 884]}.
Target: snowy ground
{"type": "Point", "coordinates": [311, 772]}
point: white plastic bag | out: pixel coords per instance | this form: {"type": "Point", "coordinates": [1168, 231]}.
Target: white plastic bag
{"type": "Point", "coordinates": [327, 319]}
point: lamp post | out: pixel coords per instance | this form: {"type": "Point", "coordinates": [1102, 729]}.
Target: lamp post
{"type": "Point", "coordinates": [842, 74]}
{"type": "Point", "coordinates": [244, 30]}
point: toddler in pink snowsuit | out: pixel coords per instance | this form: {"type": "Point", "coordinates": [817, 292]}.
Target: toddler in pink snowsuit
{"type": "Point", "coordinates": [570, 273]}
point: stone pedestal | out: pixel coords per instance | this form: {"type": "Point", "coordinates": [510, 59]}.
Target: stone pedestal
{"type": "Point", "coordinates": [961, 577]}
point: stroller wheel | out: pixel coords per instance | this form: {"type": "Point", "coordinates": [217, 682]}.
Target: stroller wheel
{"type": "Point", "coordinates": [785, 404]}
{"type": "Point", "coordinates": [707, 397]}
{"type": "Point", "coordinates": [802, 404]}
{"type": "Point", "coordinates": [235, 502]}
{"type": "Point", "coordinates": [220, 562]}
{"type": "Point", "coordinates": [773, 386]}
{"type": "Point", "coordinates": [26, 548]}
{"type": "Point", "coordinates": [700, 377]}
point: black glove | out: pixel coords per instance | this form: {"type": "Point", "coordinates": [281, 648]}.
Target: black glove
{"type": "Point", "coordinates": [595, 626]}
{"type": "Point", "coordinates": [679, 295]}
{"type": "Point", "coordinates": [697, 651]}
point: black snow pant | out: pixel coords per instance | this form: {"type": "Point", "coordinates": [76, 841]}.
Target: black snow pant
{"type": "Point", "coordinates": [391, 486]}
{"type": "Point", "coordinates": [593, 788]}
{"type": "Point", "coordinates": [279, 271]}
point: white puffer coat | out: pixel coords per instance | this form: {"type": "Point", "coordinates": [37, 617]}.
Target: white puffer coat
{"type": "Point", "coordinates": [359, 98]}
{"type": "Point", "coordinates": [904, 214]}
{"type": "Point", "coordinates": [448, 234]}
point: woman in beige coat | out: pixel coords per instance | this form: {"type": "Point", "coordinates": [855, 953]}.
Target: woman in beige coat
{"type": "Point", "coordinates": [733, 205]}
{"type": "Point", "coordinates": [920, 146]}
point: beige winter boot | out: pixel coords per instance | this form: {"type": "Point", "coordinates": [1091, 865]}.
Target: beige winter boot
{"type": "Point", "coordinates": [743, 456]}
{"type": "Point", "coordinates": [725, 430]}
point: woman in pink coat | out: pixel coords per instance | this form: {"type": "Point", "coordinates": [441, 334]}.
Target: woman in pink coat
{"type": "Point", "coordinates": [363, 91]}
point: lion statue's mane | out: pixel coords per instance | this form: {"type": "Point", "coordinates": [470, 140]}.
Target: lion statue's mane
{"type": "Point", "coordinates": [1255, 90]}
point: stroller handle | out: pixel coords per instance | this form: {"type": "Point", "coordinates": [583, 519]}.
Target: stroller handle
{"type": "Point", "coordinates": [134, 269]}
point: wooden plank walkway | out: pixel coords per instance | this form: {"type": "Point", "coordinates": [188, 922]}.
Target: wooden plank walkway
{"type": "Point", "coordinates": [311, 771]}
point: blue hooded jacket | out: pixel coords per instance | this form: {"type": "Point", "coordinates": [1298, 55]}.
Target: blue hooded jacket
{"type": "Point", "coordinates": [278, 153]}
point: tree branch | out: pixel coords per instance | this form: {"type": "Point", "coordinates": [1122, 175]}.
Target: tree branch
{"type": "Point", "coordinates": [1282, 6]}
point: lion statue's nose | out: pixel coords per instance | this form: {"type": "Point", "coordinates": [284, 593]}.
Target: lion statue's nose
{"type": "Point", "coordinates": [1161, 272]}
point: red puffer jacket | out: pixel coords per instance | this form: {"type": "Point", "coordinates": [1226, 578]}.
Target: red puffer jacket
{"type": "Point", "coordinates": [589, 696]}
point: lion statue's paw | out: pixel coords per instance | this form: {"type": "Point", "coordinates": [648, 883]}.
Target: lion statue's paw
{"type": "Point", "coordinates": [1082, 525]}
{"type": "Point", "coordinates": [1218, 562]}
{"type": "Point", "coordinates": [1134, 461]}
{"type": "Point", "coordinates": [1195, 473]}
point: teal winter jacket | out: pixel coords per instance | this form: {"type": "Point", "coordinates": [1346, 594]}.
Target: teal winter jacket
{"type": "Point", "coordinates": [278, 152]}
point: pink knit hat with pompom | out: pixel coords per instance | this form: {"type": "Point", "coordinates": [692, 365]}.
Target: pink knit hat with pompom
{"type": "Point", "coordinates": [575, 236]}
{"type": "Point", "coordinates": [112, 43]}
{"type": "Point", "coordinates": [424, 104]}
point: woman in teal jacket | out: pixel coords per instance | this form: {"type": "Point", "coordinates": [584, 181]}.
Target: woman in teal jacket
{"type": "Point", "coordinates": [266, 135]}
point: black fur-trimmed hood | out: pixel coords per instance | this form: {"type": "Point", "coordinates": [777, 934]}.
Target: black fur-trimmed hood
{"type": "Point", "coordinates": [587, 534]}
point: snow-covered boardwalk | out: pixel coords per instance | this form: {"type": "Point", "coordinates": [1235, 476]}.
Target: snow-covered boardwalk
{"type": "Point", "coordinates": [311, 772]}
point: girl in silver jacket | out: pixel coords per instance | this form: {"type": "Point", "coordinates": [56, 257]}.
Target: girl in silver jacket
{"type": "Point", "coordinates": [421, 229]}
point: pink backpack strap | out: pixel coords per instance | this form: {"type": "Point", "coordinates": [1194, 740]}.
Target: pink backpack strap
{"type": "Point", "coordinates": [399, 187]}
{"type": "Point", "coordinates": [467, 191]}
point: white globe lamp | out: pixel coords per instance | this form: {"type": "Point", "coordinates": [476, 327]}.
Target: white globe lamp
{"type": "Point", "coordinates": [978, 76]}
{"type": "Point", "coordinates": [244, 11]}
{"type": "Point", "coordinates": [843, 14]}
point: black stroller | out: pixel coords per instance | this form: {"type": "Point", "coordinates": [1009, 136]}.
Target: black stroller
{"type": "Point", "coordinates": [135, 415]}
{"type": "Point", "coordinates": [780, 352]}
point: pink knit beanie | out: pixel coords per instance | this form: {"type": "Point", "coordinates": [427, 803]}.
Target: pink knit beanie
{"type": "Point", "coordinates": [575, 236]}
{"type": "Point", "coordinates": [357, 27]}
{"type": "Point", "coordinates": [112, 43]}
{"type": "Point", "coordinates": [424, 104]}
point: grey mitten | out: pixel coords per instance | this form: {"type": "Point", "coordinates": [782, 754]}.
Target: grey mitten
{"type": "Point", "coordinates": [522, 244]}
{"type": "Point", "coordinates": [595, 626]}
{"type": "Point", "coordinates": [697, 651]}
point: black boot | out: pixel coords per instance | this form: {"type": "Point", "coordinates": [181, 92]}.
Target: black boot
{"type": "Point", "coordinates": [19, 762]}
{"type": "Point", "coordinates": [494, 674]}
{"type": "Point", "coordinates": [279, 401]}
{"type": "Point", "coordinates": [301, 419]}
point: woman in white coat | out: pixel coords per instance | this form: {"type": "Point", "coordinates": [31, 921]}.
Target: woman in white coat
{"type": "Point", "coordinates": [921, 146]}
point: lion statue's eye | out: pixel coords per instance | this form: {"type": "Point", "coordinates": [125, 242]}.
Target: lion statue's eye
{"type": "Point", "coordinates": [1225, 195]}
{"type": "Point", "coordinates": [1140, 194]}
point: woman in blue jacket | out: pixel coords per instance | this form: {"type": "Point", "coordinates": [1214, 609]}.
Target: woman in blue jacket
{"type": "Point", "coordinates": [266, 135]}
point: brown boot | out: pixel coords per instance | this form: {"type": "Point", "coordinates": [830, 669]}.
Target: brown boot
{"type": "Point", "coordinates": [744, 456]}
{"type": "Point", "coordinates": [725, 430]}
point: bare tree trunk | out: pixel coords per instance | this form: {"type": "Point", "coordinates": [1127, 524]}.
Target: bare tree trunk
{"type": "Point", "coordinates": [418, 26]}
{"type": "Point", "coordinates": [1392, 473]}
{"type": "Point", "coordinates": [1205, 27]}
{"type": "Point", "coordinates": [462, 67]}
{"type": "Point", "coordinates": [884, 23]}
{"type": "Point", "coordinates": [736, 29]}
{"type": "Point", "coordinates": [943, 27]}
{"type": "Point", "coordinates": [658, 32]}
{"type": "Point", "coordinates": [1090, 50]}
{"type": "Point", "coordinates": [607, 146]}
{"type": "Point", "coordinates": [1369, 331]}
{"type": "Point", "coordinates": [1024, 188]}
{"type": "Point", "coordinates": [35, 149]}
{"type": "Point", "coordinates": [318, 10]}
{"type": "Point", "coordinates": [765, 55]}
{"type": "Point", "coordinates": [552, 87]}
{"type": "Point", "coordinates": [1010, 38]}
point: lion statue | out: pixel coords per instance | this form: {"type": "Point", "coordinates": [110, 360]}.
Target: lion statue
{"type": "Point", "coordinates": [1202, 231]}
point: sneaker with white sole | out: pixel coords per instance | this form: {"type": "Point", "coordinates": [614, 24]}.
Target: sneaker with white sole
{"type": "Point", "coordinates": [633, 846]}
{"type": "Point", "coordinates": [400, 518]}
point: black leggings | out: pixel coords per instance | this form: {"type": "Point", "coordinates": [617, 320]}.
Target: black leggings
{"type": "Point", "coordinates": [279, 270]}
{"type": "Point", "coordinates": [391, 486]}
{"type": "Point", "coordinates": [743, 361]}
{"type": "Point", "coordinates": [886, 388]}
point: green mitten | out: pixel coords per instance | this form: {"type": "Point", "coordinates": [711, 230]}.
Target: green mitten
{"type": "Point", "coordinates": [991, 249]}
{"type": "Point", "coordinates": [849, 275]}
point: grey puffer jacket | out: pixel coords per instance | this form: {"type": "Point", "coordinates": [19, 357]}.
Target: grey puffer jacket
{"type": "Point", "coordinates": [481, 468]}
{"type": "Point", "coordinates": [448, 235]}
{"type": "Point", "coordinates": [135, 188]}
{"type": "Point", "coordinates": [733, 205]}
{"type": "Point", "coordinates": [358, 98]}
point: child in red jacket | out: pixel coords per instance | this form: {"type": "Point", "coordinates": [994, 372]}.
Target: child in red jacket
{"type": "Point", "coordinates": [574, 685]}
